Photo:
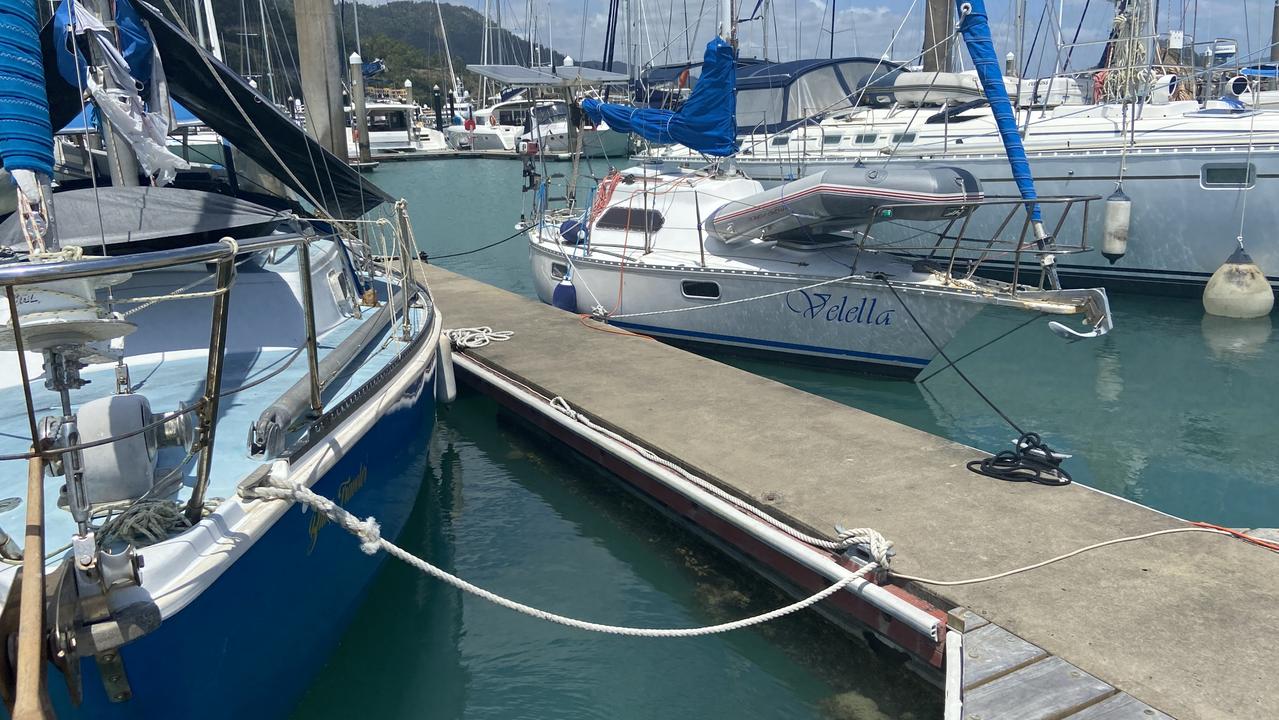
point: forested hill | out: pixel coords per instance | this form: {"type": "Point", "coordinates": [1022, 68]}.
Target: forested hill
{"type": "Point", "coordinates": [404, 33]}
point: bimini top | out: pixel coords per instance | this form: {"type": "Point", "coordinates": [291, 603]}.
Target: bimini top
{"type": "Point", "coordinates": [777, 96]}
{"type": "Point", "coordinates": [662, 86]}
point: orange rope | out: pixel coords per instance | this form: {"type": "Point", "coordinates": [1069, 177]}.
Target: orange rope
{"type": "Point", "coordinates": [1242, 536]}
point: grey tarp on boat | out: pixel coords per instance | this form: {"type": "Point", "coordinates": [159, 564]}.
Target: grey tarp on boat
{"type": "Point", "coordinates": [326, 179]}
{"type": "Point", "coordinates": [146, 218]}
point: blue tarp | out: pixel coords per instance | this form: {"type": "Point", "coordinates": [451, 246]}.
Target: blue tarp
{"type": "Point", "coordinates": [705, 123]}
{"type": "Point", "coordinates": [1261, 71]}
{"type": "Point", "coordinates": [87, 120]}
{"type": "Point", "coordinates": [975, 28]}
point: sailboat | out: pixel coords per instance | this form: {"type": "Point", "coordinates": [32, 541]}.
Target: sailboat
{"type": "Point", "coordinates": [1183, 163]}
{"type": "Point", "coordinates": [711, 257]}
{"type": "Point", "coordinates": [169, 346]}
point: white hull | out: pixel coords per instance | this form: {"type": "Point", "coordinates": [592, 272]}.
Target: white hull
{"type": "Point", "coordinates": [849, 322]}
{"type": "Point", "coordinates": [1181, 231]}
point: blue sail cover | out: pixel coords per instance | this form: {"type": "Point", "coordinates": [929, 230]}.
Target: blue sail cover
{"type": "Point", "coordinates": [975, 28]}
{"type": "Point", "coordinates": [26, 136]}
{"type": "Point", "coordinates": [705, 123]}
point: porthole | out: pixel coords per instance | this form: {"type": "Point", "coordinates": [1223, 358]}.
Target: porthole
{"type": "Point", "coordinates": [1227, 175]}
{"type": "Point", "coordinates": [558, 271]}
{"type": "Point", "coordinates": [700, 289]}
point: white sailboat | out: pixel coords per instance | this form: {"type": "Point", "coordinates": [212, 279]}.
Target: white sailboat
{"type": "Point", "coordinates": [714, 257]}
{"type": "Point", "coordinates": [1183, 163]}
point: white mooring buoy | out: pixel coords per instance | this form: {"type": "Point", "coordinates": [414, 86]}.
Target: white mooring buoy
{"type": "Point", "coordinates": [1114, 237]}
{"type": "Point", "coordinates": [1238, 289]}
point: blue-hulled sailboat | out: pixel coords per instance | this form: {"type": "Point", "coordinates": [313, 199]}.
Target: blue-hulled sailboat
{"type": "Point", "coordinates": [172, 335]}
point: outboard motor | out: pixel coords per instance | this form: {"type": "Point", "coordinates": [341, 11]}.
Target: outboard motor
{"type": "Point", "coordinates": [844, 197]}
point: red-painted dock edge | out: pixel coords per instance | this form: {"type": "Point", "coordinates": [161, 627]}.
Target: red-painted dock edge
{"type": "Point", "coordinates": [845, 608]}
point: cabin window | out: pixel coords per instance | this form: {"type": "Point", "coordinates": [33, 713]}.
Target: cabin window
{"type": "Point", "coordinates": [814, 93]}
{"type": "Point", "coordinates": [781, 140]}
{"type": "Point", "coordinates": [629, 218]}
{"type": "Point", "coordinates": [558, 271]}
{"type": "Point", "coordinates": [388, 121]}
{"type": "Point", "coordinates": [832, 139]}
{"type": "Point", "coordinates": [866, 138]}
{"type": "Point", "coordinates": [756, 108]}
{"type": "Point", "coordinates": [903, 138]}
{"type": "Point", "coordinates": [1228, 175]}
{"type": "Point", "coordinates": [700, 289]}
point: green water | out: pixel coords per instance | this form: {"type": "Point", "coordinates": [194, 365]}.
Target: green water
{"type": "Point", "coordinates": [1172, 410]}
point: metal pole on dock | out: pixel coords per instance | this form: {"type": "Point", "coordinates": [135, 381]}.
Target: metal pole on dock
{"type": "Point", "coordinates": [358, 108]}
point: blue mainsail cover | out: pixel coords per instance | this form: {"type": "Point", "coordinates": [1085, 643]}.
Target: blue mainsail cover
{"type": "Point", "coordinates": [975, 28]}
{"type": "Point", "coordinates": [705, 123]}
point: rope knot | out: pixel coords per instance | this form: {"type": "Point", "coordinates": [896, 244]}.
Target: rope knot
{"type": "Point", "coordinates": [370, 533]}
{"type": "Point", "coordinates": [877, 547]}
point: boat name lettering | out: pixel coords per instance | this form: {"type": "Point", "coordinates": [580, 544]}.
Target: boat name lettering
{"type": "Point", "coordinates": [816, 305]}
{"type": "Point", "coordinates": [346, 491]}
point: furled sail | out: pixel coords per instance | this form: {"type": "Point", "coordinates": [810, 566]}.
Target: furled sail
{"type": "Point", "coordinates": [26, 137]}
{"type": "Point", "coordinates": [975, 27]}
{"type": "Point", "coordinates": [706, 122]}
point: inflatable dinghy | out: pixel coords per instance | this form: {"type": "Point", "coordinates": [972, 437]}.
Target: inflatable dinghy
{"type": "Point", "coordinates": [845, 197]}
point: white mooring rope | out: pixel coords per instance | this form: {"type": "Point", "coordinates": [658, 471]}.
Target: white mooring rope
{"type": "Point", "coordinates": [477, 337]}
{"type": "Point", "coordinates": [371, 540]}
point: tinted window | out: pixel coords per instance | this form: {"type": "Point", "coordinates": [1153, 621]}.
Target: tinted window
{"type": "Point", "coordinates": [558, 270]}
{"type": "Point", "coordinates": [1228, 175]}
{"type": "Point", "coordinates": [628, 218]}
{"type": "Point", "coordinates": [700, 289]}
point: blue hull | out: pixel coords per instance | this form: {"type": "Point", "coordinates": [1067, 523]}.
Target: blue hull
{"type": "Point", "coordinates": [250, 645]}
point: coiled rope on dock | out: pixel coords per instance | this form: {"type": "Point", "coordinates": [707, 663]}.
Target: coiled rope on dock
{"type": "Point", "coordinates": [368, 531]}
{"type": "Point", "coordinates": [476, 337]}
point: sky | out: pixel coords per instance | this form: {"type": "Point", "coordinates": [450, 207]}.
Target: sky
{"type": "Point", "coordinates": [800, 28]}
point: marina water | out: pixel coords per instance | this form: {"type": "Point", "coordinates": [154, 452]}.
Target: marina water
{"type": "Point", "coordinates": [1172, 409]}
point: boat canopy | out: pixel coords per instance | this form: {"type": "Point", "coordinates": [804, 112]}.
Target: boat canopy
{"type": "Point", "coordinates": [704, 123]}
{"type": "Point", "coordinates": [206, 86]}
{"type": "Point", "coordinates": [772, 97]}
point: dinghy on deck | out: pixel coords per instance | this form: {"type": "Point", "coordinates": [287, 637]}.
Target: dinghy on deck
{"type": "Point", "coordinates": [836, 199]}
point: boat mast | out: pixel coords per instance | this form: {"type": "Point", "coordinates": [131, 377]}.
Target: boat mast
{"type": "Point", "coordinates": [211, 25]}
{"type": "Point", "coordinates": [266, 51]}
{"type": "Point", "coordinates": [937, 36]}
{"type": "Point", "coordinates": [321, 69]}
{"type": "Point", "coordinates": [448, 57]}
{"type": "Point", "coordinates": [832, 28]}
{"type": "Point", "coordinates": [122, 164]}
{"type": "Point", "coordinates": [484, 51]}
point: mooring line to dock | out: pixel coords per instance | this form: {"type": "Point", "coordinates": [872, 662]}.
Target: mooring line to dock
{"type": "Point", "coordinates": [368, 531]}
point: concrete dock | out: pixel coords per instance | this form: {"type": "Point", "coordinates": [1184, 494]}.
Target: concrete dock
{"type": "Point", "coordinates": [1181, 625]}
